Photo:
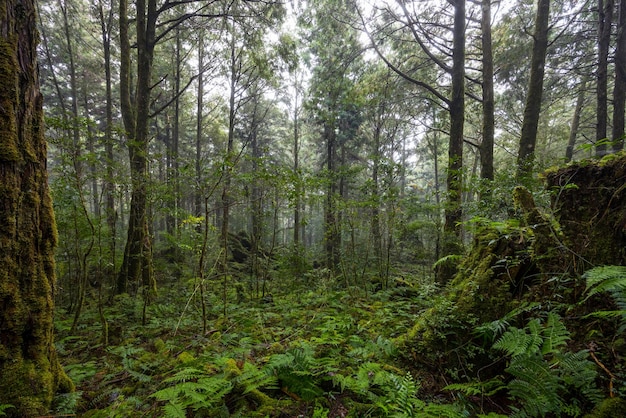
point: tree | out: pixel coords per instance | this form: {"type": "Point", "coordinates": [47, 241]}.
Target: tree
{"type": "Point", "coordinates": [528, 139]}
{"type": "Point", "coordinates": [619, 89]}
{"type": "Point", "coordinates": [31, 374]}
{"type": "Point", "coordinates": [605, 19]}
{"type": "Point", "coordinates": [332, 95]}
{"type": "Point", "coordinates": [445, 56]}
{"type": "Point", "coordinates": [488, 127]}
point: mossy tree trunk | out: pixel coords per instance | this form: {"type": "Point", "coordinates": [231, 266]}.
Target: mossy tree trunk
{"type": "Point", "coordinates": [136, 268]}
{"type": "Point", "coordinates": [29, 369]}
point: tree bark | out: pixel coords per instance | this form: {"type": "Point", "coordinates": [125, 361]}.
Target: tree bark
{"type": "Point", "coordinates": [137, 263]}
{"type": "Point", "coordinates": [619, 89]}
{"type": "Point", "coordinates": [452, 242]}
{"type": "Point", "coordinates": [31, 374]}
{"type": "Point", "coordinates": [331, 222]}
{"type": "Point", "coordinates": [199, 210]}
{"type": "Point", "coordinates": [486, 147]}
{"type": "Point", "coordinates": [109, 182]}
{"type": "Point", "coordinates": [580, 101]}
{"type": "Point", "coordinates": [532, 109]}
{"type": "Point", "coordinates": [605, 18]}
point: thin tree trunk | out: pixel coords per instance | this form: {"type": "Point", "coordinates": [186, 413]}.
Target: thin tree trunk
{"type": "Point", "coordinates": [532, 109]}
{"type": "Point", "coordinates": [296, 166]}
{"type": "Point", "coordinates": [199, 128]}
{"type": "Point", "coordinates": [578, 109]}
{"type": "Point", "coordinates": [486, 147]}
{"type": "Point", "coordinates": [619, 89]}
{"type": "Point", "coordinates": [605, 18]}
{"type": "Point", "coordinates": [331, 229]}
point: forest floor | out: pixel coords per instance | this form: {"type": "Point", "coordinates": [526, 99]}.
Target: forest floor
{"type": "Point", "coordinates": [307, 351]}
{"type": "Point", "coordinates": [321, 349]}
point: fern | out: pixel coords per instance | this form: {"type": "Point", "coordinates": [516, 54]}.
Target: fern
{"type": "Point", "coordinates": [4, 407]}
{"type": "Point", "coordinates": [488, 388]}
{"type": "Point", "coordinates": [252, 378]}
{"type": "Point", "coordinates": [194, 389]}
{"type": "Point", "coordinates": [612, 280]}
{"type": "Point", "coordinates": [545, 375]}
{"type": "Point", "coordinates": [296, 370]}
{"type": "Point", "coordinates": [490, 330]}
{"type": "Point", "coordinates": [555, 335]}
{"type": "Point", "coordinates": [517, 342]}
{"type": "Point", "coordinates": [405, 400]}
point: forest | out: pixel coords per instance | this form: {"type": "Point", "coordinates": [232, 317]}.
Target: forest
{"type": "Point", "coordinates": [312, 208]}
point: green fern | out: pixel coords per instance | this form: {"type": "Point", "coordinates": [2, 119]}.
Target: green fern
{"type": "Point", "coordinates": [193, 389]}
{"type": "Point", "coordinates": [252, 378]}
{"type": "Point", "coordinates": [297, 370]}
{"type": "Point", "coordinates": [612, 280]}
{"type": "Point", "coordinates": [546, 377]}
{"type": "Point", "coordinates": [4, 407]}
{"type": "Point", "coordinates": [405, 400]}
{"type": "Point", "coordinates": [487, 388]}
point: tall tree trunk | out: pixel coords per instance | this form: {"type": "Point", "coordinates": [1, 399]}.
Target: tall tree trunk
{"type": "Point", "coordinates": [486, 147]}
{"type": "Point", "coordinates": [619, 90]}
{"type": "Point", "coordinates": [452, 242]}
{"type": "Point", "coordinates": [199, 210]}
{"type": "Point", "coordinates": [532, 109]}
{"type": "Point", "coordinates": [109, 182]}
{"type": "Point", "coordinates": [31, 374]}
{"type": "Point", "coordinates": [331, 227]}
{"type": "Point", "coordinates": [137, 263]}
{"type": "Point", "coordinates": [74, 89]}
{"type": "Point", "coordinates": [578, 109]}
{"type": "Point", "coordinates": [296, 165]}
{"type": "Point", "coordinates": [227, 168]}
{"type": "Point", "coordinates": [605, 18]}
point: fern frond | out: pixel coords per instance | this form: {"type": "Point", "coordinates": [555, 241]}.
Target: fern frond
{"type": "Point", "coordinates": [610, 279]}
{"type": "Point", "coordinates": [555, 335]}
{"type": "Point", "coordinates": [174, 410]}
{"type": "Point", "coordinates": [488, 388]}
{"type": "Point", "coordinates": [185, 375]}
{"type": "Point", "coordinates": [517, 341]}
{"type": "Point", "coordinates": [252, 378]}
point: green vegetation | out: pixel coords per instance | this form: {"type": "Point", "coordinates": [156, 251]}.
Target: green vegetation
{"type": "Point", "coordinates": [318, 350]}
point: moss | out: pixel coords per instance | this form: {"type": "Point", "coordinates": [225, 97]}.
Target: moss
{"type": "Point", "coordinates": [19, 378]}
{"type": "Point", "coordinates": [609, 408]}
{"type": "Point", "coordinates": [611, 159]}
{"type": "Point", "coordinates": [9, 150]}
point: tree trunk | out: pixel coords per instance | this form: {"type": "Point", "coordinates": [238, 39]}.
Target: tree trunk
{"type": "Point", "coordinates": [109, 182]}
{"type": "Point", "coordinates": [619, 90]}
{"type": "Point", "coordinates": [136, 266]}
{"type": "Point", "coordinates": [528, 139]}
{"type": "Point", "coordinates": [199, 210]}
{"type": "Point", "coordinates": [452, 241]}
{"type": "Point", "coordinates": [486, 147]}
{"type": "Point", "coordinates": [605, 18]}
{"type": "Point", "coordinates": [580, 101]}
{"type": "Point", "coordinates": [29, 367]}
{"type": "Point", "coordinates": [331, 227]}
{"type": "Point", "coordinates": [296, 165]}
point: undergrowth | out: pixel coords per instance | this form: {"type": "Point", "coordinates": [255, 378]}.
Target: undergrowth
{"type": "Point", "coordinates": [314, 352]}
